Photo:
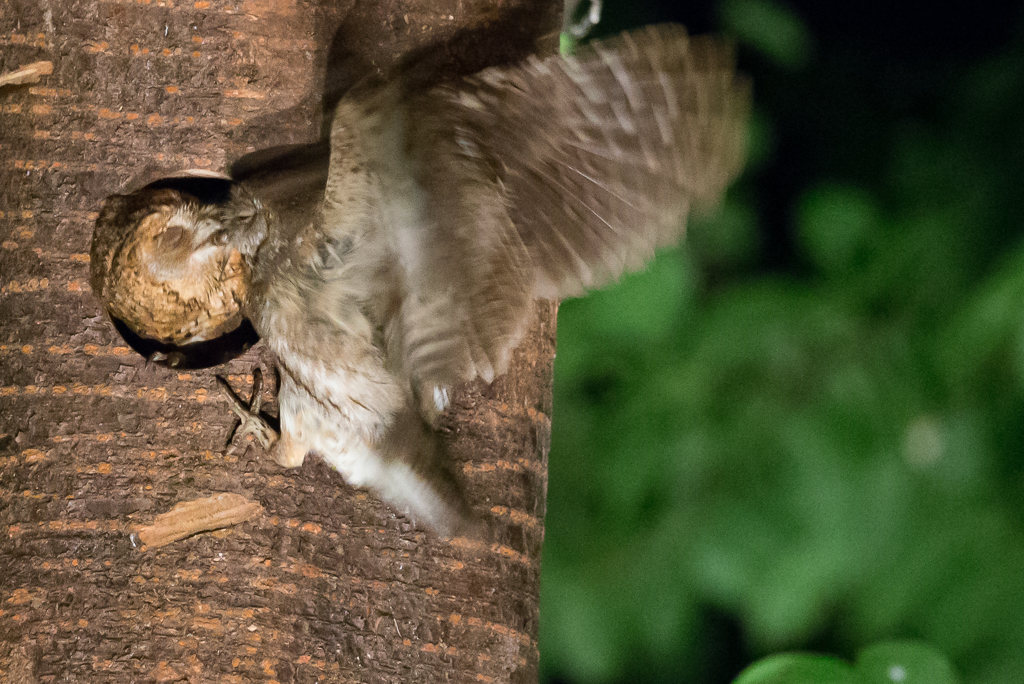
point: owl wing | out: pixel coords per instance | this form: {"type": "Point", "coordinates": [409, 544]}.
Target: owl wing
{"type": "Point", "coordinates": [603, 153]}
{"type": "Point", "coordinates": [549, 178]}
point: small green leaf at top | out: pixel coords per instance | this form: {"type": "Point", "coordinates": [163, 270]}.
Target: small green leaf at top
{"type": "Point", "coordinates": [770, 28]}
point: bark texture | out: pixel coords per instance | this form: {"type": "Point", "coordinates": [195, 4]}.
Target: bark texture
{"type": "Point", "coordinates": [313, 580]}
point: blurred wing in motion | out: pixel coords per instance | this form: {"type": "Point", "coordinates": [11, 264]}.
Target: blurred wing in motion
{"type": "Point", "coordinates": [553, 177]}
{"type": "Point", "coordinates": [606, 151]}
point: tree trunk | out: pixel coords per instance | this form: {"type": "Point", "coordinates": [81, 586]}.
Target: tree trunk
{"type": "Point", "coordinates": [321, 582]}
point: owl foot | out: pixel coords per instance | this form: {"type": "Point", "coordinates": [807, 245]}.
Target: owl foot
{"type": "Point", "coordinates": [252, 423]}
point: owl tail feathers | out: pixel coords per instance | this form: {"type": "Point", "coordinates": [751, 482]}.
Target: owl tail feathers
{"type": "Point", "coordinates": [416, 478]}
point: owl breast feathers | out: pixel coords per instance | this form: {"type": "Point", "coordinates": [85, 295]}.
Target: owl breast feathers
{"type": "Point", "coordinates": [413, 262]}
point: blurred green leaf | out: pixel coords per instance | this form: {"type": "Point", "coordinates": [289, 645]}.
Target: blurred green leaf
{"type": "Point", "coordinates": [727, 237]}
{"type": "Point", "coordinates": [762, 140]}
{"type": "Point", "coordinates": [891, 662]}
{"type": "Point", "coordinates": [989, 325]}
{"type": "Point", "coordinates": [566, 43]}
{"type": "Point", "coordinates": [797, 668]}
{"type": "Point", "coordinates": [904, 662]}
{"type": "Point", "coordinates": [586, 638]}
{"type": "Point", "coordinates": [771, 28]}
{"type": "Point", "coordinates": [836, 224]}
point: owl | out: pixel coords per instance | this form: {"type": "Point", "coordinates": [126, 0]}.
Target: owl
{"type": "Point", "coordinates": [410, 261]}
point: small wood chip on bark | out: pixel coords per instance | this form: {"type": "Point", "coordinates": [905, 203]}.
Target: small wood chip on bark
{"type": "Point", "coordinates": [202, 515]}
{"type": "Point", "coordinates": [27, 74]}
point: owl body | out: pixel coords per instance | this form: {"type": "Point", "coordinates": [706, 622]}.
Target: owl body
{"type": "Point", "coordinates": [445, 211]}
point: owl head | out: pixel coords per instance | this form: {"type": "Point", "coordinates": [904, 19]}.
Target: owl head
{"type": "Point", "coordinates": [163, 263]}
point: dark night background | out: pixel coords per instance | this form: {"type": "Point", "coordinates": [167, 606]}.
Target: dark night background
{"type": "Point", "coordinates": [804, 429]}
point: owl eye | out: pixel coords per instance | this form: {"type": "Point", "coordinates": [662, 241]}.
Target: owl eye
{"type": "Point", "coordinates": [173, 236]}
{"type": "Point", "coordinates": [245, 213]}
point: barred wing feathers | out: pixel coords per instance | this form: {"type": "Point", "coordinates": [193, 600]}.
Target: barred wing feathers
{"type": "Point", "coordinates": [540, 180]}
{"type": "Point", "coordinates": [603, 153]}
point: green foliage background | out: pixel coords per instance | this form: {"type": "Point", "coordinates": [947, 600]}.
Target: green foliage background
{"type": "Point", "coordinates": [804, 428]}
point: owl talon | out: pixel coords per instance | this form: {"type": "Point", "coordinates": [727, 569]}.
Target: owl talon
{"type": "Point", "coordinates": [171, 360]}
{"type": "Point", "coordinates": [249, 415]}
{"type": "Point", "coordinates": [433, 402]}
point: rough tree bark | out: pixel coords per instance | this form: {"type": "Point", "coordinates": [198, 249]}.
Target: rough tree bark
{"type": "Point", "coordinates": [325, 583]}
